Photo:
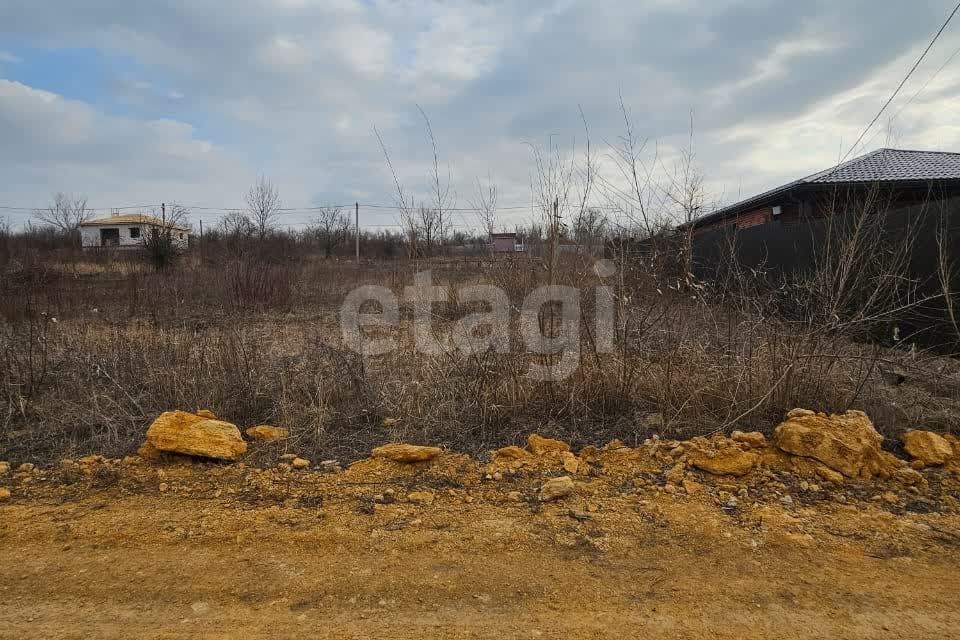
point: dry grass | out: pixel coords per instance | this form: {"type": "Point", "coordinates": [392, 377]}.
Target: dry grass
{"type": "Point", "coordinates": [261, 343]}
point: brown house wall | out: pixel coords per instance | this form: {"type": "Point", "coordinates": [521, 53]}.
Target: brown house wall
{"type": "Point", "coordinates": [743, 221]}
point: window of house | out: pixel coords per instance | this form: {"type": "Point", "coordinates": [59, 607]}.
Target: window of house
{"type": "Point", "coordinates": [181, 236]}
{"type": "Point", "coordinates": [134, 232]}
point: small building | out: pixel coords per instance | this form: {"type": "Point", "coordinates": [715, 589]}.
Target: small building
{"type": "Point", "coordinates": [128, 231]}
{"type": "Point", "coordinates": [505, 243]}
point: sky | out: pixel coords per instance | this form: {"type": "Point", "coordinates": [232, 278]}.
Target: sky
{"type": "Point", "coordinates": [189, 101]}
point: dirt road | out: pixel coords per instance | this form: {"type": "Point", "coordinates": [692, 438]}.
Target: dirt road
{"type": "Point", "coordinates": [145, 551]}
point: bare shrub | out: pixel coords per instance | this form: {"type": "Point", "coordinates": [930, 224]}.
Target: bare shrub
{"type": "Point", "coordinates": [254, 285]}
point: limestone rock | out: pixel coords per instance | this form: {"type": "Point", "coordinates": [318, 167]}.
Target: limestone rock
{"type": "Point", "coordinates": [828, 475]}
{"type": "Point", "coordinates": [300, 463]}
{"type": "Point", "coordinates": [570, 462]}
{"type": "Point", "coordinates": [26, 467]}
{"type": "Point", "coordinates": [424, 498]}
{"type": "Point", "coordinates": [676, 473]}
{"type": "Point", "coordinates": [909, 476]}
{"type": "Point", "coordinates": [266, 433]}
{"type": "Point", "coordinates": [4, 494]}
{"type": "Point", "coordinates": [752, 438]}
{"type": "Point", "coordinates": [193, 435]}
{"type": "Point", "coordinates": [406, 452]}
{"type": "Point", "coordinates": [556, 488]}
{"type": "Point", "coordinates": [539, 445]}
{"type": "Point", "coordinates": [149, 452]}
{"type": "Point", "coordinates": [4, 468]}
{"type": "Point", "coordinates": [206, 413]}
{"type": "Point", "coordinates": [845, 442]}
{"type": "Point", "coordinates": [928, 447]}
{"type": "Point", "coordinates": [729, 461]}
{"type": "Point", "coordinates": [511, 453]}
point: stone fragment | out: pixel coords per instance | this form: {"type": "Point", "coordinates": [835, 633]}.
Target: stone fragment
{"type": "Point", "coordinates": [266, 433]}
{"type": "Point", "coordinates": [423, 498]}
{"type": "Point", "coordinates": [539, 445]}
{"type": "Point", "coordinates": [556, 488]}
{"type": "Point", "coordinates": [928, 447]}
{"type": "Point", "coordinates": [406, 453]}
{"type": "Point", "coordinates": [752, 438]}
{"type": "Point", "coordinates": [729, 461]}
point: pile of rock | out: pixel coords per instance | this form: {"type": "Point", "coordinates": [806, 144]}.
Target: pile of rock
{"type": "Point", "coordinates": [540, 452]}
{"type": "Point", "coordinates": [849, 445]}
{"type": "Point", "coordinates": [203, 435]}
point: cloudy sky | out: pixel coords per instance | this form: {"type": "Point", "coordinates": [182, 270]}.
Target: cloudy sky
{"type": "Point", "coordinates": [189, 100]}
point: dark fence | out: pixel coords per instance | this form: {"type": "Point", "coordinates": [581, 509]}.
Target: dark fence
{"type": "Point", "coordinates": [910, 247]}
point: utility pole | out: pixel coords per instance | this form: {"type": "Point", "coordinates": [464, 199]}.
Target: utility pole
{"type": "Point", "coordinates": [163, 213]}
{"type": "Point", "coordinates": [356, 212]}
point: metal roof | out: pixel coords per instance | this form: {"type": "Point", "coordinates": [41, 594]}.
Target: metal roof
{"type": "Point", "coordinates": [891, 165]}
{"type": "Point", "coordinates": [882, 165]}
{"type": "Point", "coordinates": [132, 218]}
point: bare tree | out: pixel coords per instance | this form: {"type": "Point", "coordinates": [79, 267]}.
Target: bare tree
{"type": "Point", "coordinates": [408, 214]}
{"type": "Point", "coordinates": [236, 224]}
{"type": "Point", "coordinates": [628, 159]}
{"type": "Point", "coordinates": [590, 227]}
{"type": "Point", "coordinates": [263, 206]}
{"type": "Point", "coordinates": [66, 213]}
{"type": "Point", "coordinates": [441, 189]}
{"type": "Point", "coordinates": [331, 226]}
{"type": "Point", "coordinates": [428, 226]}
{"type": "Point", "coordinates": [685, 186]}
{"type": "Point", "coordinates": [485, 202]}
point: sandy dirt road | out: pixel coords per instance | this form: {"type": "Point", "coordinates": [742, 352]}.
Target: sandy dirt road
{"type": "Point", "coordinates": [202, 551]}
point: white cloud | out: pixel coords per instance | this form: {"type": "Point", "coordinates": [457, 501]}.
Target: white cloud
{"type": "Point", "coordinates": [9, 57]}
{"type": "Point", "coordinates": [284, 53]}
{"type": "Point", "coordinates": [68, 145]}
{"type": "Point", "coordinates": [293, 88]}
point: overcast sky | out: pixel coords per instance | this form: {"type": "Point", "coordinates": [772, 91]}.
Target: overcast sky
{"type": "Point", "coordinates": [189, 100]}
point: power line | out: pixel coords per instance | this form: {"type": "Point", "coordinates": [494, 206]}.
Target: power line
{"type": "Point", "coordinates": [904, 81]}
{"type": "Point", "coordinates": [293, 210]}
{"type": "Point", "coordinates": [91, 209]}
{"type": "Point", "coordinates": [922, 88]}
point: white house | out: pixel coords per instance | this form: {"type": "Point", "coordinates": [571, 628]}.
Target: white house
{"type": "Point", "coordinates": [128, 230]}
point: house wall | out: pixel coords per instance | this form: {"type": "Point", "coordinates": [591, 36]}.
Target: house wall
{"type": "Point", "coordinates": [742, 221]}
{"type": "Point", "coordinates": [90, 236]}
{"type": "Point", "coordinates": [504, 245]}
{"type": "Point", "coordinates": [784, 250]}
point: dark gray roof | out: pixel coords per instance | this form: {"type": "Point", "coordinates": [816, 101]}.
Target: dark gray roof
{"type": "Point", "coordinates": [893, 164]}
{"type": "Point", "coordinates": [882, 165]}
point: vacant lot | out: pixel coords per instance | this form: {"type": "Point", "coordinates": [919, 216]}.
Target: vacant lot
{"type": "Point", "coordinates": [92, 351]}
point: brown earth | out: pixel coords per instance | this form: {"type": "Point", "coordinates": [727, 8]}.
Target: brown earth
{"type": "Point", "coordinates": [178, 549]}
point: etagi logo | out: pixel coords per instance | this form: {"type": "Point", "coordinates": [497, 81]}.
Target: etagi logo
{"type": "Point", "coordinates": [549, 321]}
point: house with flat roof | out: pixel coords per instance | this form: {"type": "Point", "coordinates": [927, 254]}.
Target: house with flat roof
{"type": "Point", "coordinates": [128, 231]}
